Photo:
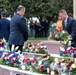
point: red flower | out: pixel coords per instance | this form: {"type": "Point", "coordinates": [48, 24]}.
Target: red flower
{"type": "Point", "coordinates": [33, 61]}
{"type": "Point", "coordinates": [2, 43]}
{"type": "Point", "coordinates": [74, 55]}
{"type": "Point", "coordinates": [35, 44]}
{"type": "Point", "coordinates": [3, 59]}
{"type": "Point", "coordinates": [9, 58]}
{"type": "Point", "coordinates": [14, 62]}
{"type": "Point", "coordinates": [45, 56]}
{"type": "Point", "coordinates": [70, 63]}
{"type": "Point", "coordinates": [41, 68]}
{"type": "Point", "coordinates": [57, 73]}
{"type": "Point", "coordinates": [16, 57]}
{"type": "Point", "coordinates": [26, 60]}
{"type": "Point", "coordinates": [40, 50]}
{"type": "Point", "coordinates": [63, 61]}
{"type": "Point", "coordinates": [34, 49]}
{"type": "Point", "coordinates": [74, 48]}
{"type": "Point", "coordinates": [53, 34]}
{"type": "Point", "coordinates": [68, 66]}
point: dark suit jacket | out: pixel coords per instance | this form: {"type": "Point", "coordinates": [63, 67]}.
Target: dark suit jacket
{"type": "Point", "coordinates": [18, 30]}
{"type": "Point", "coordinates": [71, 29]}
{"type": "Point", "coordinates": [4, 28]}
{"type": "Point", "coordinates": [45, 25]}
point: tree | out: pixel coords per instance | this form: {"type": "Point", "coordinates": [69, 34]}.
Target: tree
{"type": "Point", "coordinates": [48, 8]}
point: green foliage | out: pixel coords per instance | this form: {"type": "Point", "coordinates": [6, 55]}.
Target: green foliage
{"type": "Point", "coordinates": [73, 71]}
{"type": "Point", "coordinates": [38, 7]}
{"type": "Point", "coordinates": [40, 72]}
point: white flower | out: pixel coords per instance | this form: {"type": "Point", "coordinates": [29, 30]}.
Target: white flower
{"type": "Point", "coordinates": [73, 66]}
{"type": "Point", "coordinates": [36, 50]}
{"type": "Point", "coordinates": [48, 70]}
{"type": "Point", "coordinates": [17, 48]}
{"type": "Point", "coordinates": [41, 46]}
{"type": "Point", "coordinates": [48, 57]}
{"type": "Point", "coordinates": [68, 48]}
{"type": "Point", "coordinates": [53, 65]}
{"type": "Point", "coordinates": [62, 49]}
{"type": "Point", "coordinates": [62, 64]}
{"type": "Point", "coordinates": [1, 48]}
{"type": "Point", "coordinates": [63, 31]}
{"type": "Point", "coordinates": [56, 60]}
{"type": "Point", "coordinates": [52, 73]}
{"type": "Point", "coordinates": [69, 43]}
{"type": "Point", "coordinates": [23, 67]}
{"type": "Point", "coordinates": [50, 35]}
{"type": "Point", "coordinates": [14, 58]}
{"type": "Point", "coordinates": [40, 62]}
{"type": "Point", "coordinates": [45, 46]}
{"type": "Point", "coordinates": [6, 58]}
{"type": "Point", "coordinates": [56, 63]}
{"type": "Point", "coordinates": [31, 50]}
{"type": "Point", "coordinates": [75, 60]}
{"type": "Point", "coordinates": [64, 68]}
{"type": "Point", "coordinates": [27, 50]}
{"type": "Point", "coordinates": [33, 46]}
{"type": "Point", "coordinates": [23, 47]}
{"type": "Point", "coordinates": [10, 55]}
{"type": "Point", "coordinates": [18, 51]}
{"type": "Point", "coordinates": [65, 42]}
{"type": "Point", "coordinates": [63, 74]}
{"type": "Point", "coordinates": [38, 44]}
{"type": "Point", "coordinates": [30, 47]}
{"type": "Point", "coordinates": [56, 35]}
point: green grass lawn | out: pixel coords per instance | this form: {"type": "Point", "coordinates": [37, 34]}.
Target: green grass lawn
{"type": "Point", "coordinates": [37, 38]}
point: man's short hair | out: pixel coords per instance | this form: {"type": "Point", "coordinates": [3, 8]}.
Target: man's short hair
{"type": "Point", "coordinates": [3, 14]}
{"type": "Point", "coordinates": [62, 11]}
{"type": "Point", "coordinates": [20, 7]}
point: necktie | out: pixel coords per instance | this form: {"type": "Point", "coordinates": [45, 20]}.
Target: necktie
{"type": "Point", "coordinates": [65, 25]}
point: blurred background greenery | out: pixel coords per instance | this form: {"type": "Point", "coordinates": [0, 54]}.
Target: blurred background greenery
{"type": "Point", "coordinates": [38, 8]}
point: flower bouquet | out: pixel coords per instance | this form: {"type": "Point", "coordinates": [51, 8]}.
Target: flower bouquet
{"type": "Point", "coordinates": [10, 59]}
{"type": "Point", "coordinates": [59, 35]}
{"type": "Point", "coordinates": [2, 42]}
{"type": "Point", "coordinates": [35, 48]}
{"type": "Point", "coordinates": [3, 45]}
{"type": "Point", "coordinates": [42, 65]}
{"type": "Point", "coordinates": [68, 51]}
{"type": "Point", "coordinates": [65, 66]}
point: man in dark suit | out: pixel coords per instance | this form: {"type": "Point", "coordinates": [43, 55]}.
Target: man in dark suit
{"type": "Point", "coordinates": [4, 26]}
{"type": "Point", "coordinates": [45, 27]}
{"type": "Point", "coordinates": [38, 28]}
{"type": "Point", "coordinates": [18, 29]}
{"type": "Point", "coordinates": [69, 24]}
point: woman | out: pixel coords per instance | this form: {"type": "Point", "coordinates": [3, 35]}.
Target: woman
{"type": "Point", "coordinates": [59, 26]}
